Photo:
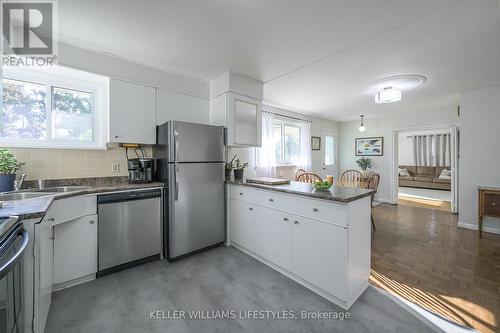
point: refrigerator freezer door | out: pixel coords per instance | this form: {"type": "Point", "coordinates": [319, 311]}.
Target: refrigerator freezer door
{"type": "Point", "coordinates": [195, 142]}
{"type": "Point", "coordinates": [196, 207]}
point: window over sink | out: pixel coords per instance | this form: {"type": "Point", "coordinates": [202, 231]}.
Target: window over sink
{"type": "Point", "coordinates": [53, 108]}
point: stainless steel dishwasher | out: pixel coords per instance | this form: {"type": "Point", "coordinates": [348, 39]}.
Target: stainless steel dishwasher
{"type": "Point", "coordinates": [129, 229]}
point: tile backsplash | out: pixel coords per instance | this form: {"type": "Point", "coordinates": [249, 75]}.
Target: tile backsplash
{"type": "Point", "coordinates": [72, 163]}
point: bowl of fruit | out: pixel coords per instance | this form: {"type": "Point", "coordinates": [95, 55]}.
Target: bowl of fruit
{"type": "Point", "coordinates": [322, 185]}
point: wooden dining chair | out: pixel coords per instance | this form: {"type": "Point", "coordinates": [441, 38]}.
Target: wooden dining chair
{"type": "Point", "coordinates": [298, 173]}
{"type": "Point", "coordinates": [351, 178]}
{"type": "Point", "coordinates": [372, 184]}
{"type": "Point", "coordinates": [308, 177]}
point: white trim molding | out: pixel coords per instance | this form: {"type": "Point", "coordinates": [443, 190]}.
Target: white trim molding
{"type": "Point", "coordinates": [473, 226]}
{"type": "Point", "coordinates": [394, 153]}
{"type": "Point", "coordinates": [65, 78]}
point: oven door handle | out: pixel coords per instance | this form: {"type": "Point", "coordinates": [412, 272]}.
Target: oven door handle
{"type": "Point", "coordinates": [5, 269]}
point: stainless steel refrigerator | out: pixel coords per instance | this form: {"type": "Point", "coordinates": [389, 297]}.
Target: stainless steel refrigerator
{"type": "Point", "coordinates": [189, 158]}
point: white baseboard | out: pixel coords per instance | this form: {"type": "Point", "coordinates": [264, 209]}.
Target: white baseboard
{"type": "Point", "coordinates": [71, 283]}
{"type": "Point", "coordinates": [382, 200]}
{"type": "Point", "coordinates": [474, 226]}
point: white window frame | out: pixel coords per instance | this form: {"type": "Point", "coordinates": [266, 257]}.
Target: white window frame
{"type": "Point", "coordinates": [284, 123]}
{"type": "Point", "coordinates": [65, 78]}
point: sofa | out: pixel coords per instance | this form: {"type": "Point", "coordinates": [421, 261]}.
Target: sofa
{"type": "Point", "coordinates": [424, 177]}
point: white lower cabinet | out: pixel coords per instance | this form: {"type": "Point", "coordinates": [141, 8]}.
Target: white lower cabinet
{"type": "Point", "coordinates": [44, 274]}
{"type": "Point", "coordinates": [75, 249]}
{"type": "Point", "coordinates": [312, 250]}
{"type": "Point", "coordinates": [274, 237]}
{"type": "Point", "coordinates": [321, 244]}
{"type": "Point", "coordinates": [65, 251]}
{"type": "Point", "coordinates": [243, 217]}
{"type": "Point", "coordinates": [319, 252]}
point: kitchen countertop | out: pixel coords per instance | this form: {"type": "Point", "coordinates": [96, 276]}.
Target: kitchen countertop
{"type": "Point", "coordinates": [335, 193]}
{"type": "Point", "coordinates": [36, 207]}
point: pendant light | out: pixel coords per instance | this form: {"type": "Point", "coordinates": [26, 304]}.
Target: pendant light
{"type": "Point", "coordinates": [362, 126]}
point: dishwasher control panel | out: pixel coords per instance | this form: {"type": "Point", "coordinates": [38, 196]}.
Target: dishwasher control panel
{"type": "Point", "coordinates": [128, 195]}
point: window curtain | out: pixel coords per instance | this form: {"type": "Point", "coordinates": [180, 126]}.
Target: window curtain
{"type": "Point", "coordinates": [432, 150]}
{"type": "Point", "coordinates": [305, 145]}
{"type": "Point", "coordinates": [266, 158]}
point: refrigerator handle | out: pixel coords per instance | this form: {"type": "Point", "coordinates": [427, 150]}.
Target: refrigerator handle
{"type": "Point", "coordinates": [176, 183]}
{"type": "Point", "coordinates": [176, 140]}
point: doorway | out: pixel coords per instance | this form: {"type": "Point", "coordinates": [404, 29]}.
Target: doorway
{"type": "Point", "coordinates": [424, 167]}
{"type": "Point", "coordinates": [329, 152]}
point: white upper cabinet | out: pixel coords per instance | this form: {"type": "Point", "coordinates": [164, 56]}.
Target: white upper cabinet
{"type": "Point", "coordinates": [174, 106]}
{"type": "Point", "coordinates": [236, 103]}
{"type": "Point", "coordinates": [132, 113]}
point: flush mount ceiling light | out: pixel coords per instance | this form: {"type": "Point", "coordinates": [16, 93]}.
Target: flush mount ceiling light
{"type": "Point", "coordinates": [390, 89]}
{"type": "Point", "coordinates": [362, 126]}
{"type": "Point", "coordinates": [388, 95]}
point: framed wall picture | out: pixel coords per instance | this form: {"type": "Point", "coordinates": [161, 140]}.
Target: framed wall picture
{"type": "Point", "coordinates": [373, 146]}
{"type": "Point", "coordinates": [315, 143]}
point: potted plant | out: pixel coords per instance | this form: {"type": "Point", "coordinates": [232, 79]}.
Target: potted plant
{"type": "Point", "coordinates": [364, 163]}
{"type": "Point", "coordinates": [9, 165]}
{"type": "Point", "coordinates": [228, 167]}
{"type": "Point", "coordinates": [239, 168]}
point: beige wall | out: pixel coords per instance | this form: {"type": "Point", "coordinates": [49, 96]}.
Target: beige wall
{"type": "Point", "coordinates": [67, 163]}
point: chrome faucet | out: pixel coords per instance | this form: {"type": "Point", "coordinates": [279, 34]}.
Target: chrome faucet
{"type": "Point", "coordinates": [41, 184]}
{"type": "Point", "coordinates": [19, 183]}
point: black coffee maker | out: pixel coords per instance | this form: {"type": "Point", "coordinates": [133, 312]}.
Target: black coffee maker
{"type": "Point", "coordinates": [140, 169]}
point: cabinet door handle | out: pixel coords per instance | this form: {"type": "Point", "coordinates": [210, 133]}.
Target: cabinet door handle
{"type": "Point", "coordinates": [295, 222]}
{"type": "Point", "coordinates": [51, 219]}
{"type": "Point", "coordinates": [91, 221]}
{"type": "Point", "coordinates": [250, 208]}
{"type": "Point", "coordinates": [241, 193]}
{"type": "Point", "coordinates": [271, 200]}
{"type": "Point", "coordinates": [316, 210]}
{"type": "Point", "coordinates": [285, 219]}
{"type": "Point", "coordinates": [493, 204]}
{"type": "Point", "coordinates": [116, 136]}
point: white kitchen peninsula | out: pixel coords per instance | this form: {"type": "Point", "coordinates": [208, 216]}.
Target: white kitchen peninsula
{"type": "Point", "coordinates": [321, 239]}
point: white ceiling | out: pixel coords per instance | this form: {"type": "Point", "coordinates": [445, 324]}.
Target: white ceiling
{"type": "Point", "coordinates": [313, 55]}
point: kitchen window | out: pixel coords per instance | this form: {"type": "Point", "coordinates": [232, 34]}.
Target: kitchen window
{"type": "Point", "coordinates": [53, 108]}
{"type": "Point", "coordinates": [329, 157]}
{"type": "Point", "coordinates": [287, 143]}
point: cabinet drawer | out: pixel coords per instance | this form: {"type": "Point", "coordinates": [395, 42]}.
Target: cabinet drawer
{"type": "Point", "coordinates": [244, 193]}
{"type": "Point", "coordinates": [326, 211]}
{"type": "Point", "coordinates": [322, 210]}
{"type": "Point", "coordinates": [492, 204]}
{"type": "Point", "coordinates": [68, 209]}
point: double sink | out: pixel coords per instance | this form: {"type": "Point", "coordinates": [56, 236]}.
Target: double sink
{"type": "Point", "coordinates": [36, 193]}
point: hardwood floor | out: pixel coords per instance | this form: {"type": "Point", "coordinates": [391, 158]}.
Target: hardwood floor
{"type": "Point", "coordinates": [420, 254]}
{"type": "Point", "coordinates": [424, 203]}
